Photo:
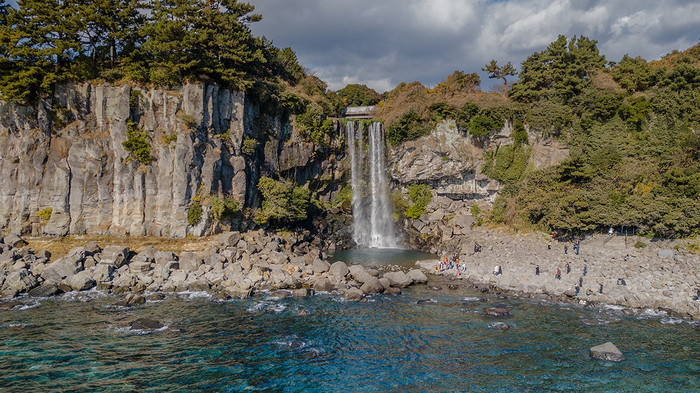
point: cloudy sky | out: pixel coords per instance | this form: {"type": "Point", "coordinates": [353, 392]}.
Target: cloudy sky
{"type": "Point", "coordinates": [383, 42]}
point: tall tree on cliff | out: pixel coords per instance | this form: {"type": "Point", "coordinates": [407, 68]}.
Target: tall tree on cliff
{"type": "Point", "coordinates": [499, 72]}
{"type": "Point", "coordinates": [562, 70]}
{"type": "Point", "coordinates": [41, 46]}
{"type": "Point", "coordinates": [110, 31]}
{"type": "Point", "coordinates": [200, 40]}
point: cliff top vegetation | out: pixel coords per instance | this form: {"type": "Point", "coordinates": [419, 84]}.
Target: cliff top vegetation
{"type": "Point", "coordinates": [632, 128]}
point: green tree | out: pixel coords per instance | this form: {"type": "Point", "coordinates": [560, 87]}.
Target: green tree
{"type": "Point", "coordinates": [282, 203]}
{"type": "Point", "coordinates": [499, 72]}
{"type": "Point", "coordinates": [199, 40]}
{"type": "Point", "coordinates": [459, 81]}
{"type": "Point", "coordinates": [358, 95]}
{"type": "Point", "coordinates": [562, 70]}
{"type": "Point", "coordinates": [41, 45]}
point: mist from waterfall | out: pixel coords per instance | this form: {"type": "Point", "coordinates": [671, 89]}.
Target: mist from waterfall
{"type": "Point", "coordinates": [373, 225]}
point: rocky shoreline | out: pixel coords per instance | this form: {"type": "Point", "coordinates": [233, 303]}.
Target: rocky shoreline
{"type": "Point", "coordinates": [240, 265]}
{"type": "Point", "coordinates": [653, 277]}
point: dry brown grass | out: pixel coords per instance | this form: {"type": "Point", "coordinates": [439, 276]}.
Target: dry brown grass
{"type": "Point", "coordinates": [60, 246]}
{"type": "Point", "coordinates": [414, 96]}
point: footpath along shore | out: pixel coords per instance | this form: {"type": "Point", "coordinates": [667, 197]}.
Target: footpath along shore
{"type": "Point", "coordinates": [655, 276]}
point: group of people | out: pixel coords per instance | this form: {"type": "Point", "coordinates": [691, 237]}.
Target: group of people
{"type": "Point", "coordinates": [451, 263]}
{"type": "Point", "coordinates": [576, 245]}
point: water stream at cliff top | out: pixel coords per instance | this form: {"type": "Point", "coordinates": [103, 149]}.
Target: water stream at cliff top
{"type": "Point", "coordinates": [373, 225]}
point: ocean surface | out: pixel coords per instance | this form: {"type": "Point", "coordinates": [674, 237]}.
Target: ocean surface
{"type": "Point", "coordinates": [421, 341]}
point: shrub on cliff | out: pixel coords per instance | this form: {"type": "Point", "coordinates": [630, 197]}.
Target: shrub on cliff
{"type": "Point", "coordinates": [407, 128]}
{"type": "Point", "coordinates": [138, 144]}
{"type": "Point", "coordinates": [282, 203]}
{"type": "Point", "coordinates": [420, 197]}
{"type": "Point", "coordinates": [223, 208]}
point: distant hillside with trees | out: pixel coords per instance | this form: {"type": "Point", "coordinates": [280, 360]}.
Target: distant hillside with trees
{"type": "Point", "coordinates": [633, 129]}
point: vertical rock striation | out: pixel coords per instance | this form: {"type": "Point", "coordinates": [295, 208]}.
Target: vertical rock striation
{"type": "Point", "coordinates": [65, 156]}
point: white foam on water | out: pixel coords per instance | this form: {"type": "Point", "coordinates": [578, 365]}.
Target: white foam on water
{"type": "Point", "coordinates": [671, 321]}
{"type": "Point", "coordinates": [651, 313]}
{"type": "Point", "coordinates": [612, 307]}
{"type": "Point", "coordinates": [471, 299]}
{"type": "Point", "coordinates": [29, 306]}
{"type": "Point", "coordinates": [190, 295]}
{"type": "Point", "coordinates": [138, 332]}
{"type": "Point", "coordinates": [19, 325]}
{"type": "Point", "coordinates": [266, 305]}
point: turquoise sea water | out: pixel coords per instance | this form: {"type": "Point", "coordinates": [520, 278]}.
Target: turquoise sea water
{"type": "Point", "coordinates": [420, 341]}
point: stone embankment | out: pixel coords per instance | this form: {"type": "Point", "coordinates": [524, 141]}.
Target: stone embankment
{"type": "Point", "coordinates": [655, 276]}
{"type": "Point", "coordinates": [240, 265]}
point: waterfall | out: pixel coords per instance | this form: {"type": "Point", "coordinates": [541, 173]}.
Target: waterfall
{"type": "Point", "coordinates": [373, 224]}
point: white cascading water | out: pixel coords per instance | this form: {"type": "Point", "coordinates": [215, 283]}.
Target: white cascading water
{"type": "Point", "coordinates": [373, 225]}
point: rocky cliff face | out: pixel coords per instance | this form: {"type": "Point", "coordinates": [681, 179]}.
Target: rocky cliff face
{"type": "Point", "coordinates": [450, 162]}
{"type": "Point", "coordinates": [65, 156]}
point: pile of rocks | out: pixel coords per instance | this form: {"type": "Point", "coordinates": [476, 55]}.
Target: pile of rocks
{"type": "Point", "coordinates": [238, 266]}
{"type": "Point", "coordinates": [655, 276]}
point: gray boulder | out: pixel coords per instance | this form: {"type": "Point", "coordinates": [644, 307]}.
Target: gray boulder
{"type": "Point", "coordinates": [190, 261]}
{"type": "Point", "coordinates": [359, 273]}
{"type": "Point", "coordinates": [303, 292]}
{"type": "Point", "coordinates": [92, 248]}
{"type": "Point", "coordinates": [165, 257]}
{"type": "Point", "coordinates": [44, 290]}
{"type": "Point", "coordinates": [607, 351]}
{"type": "Point", "coordinates": [666, 254]}
{"type": "Point", "coordinates": [339, 270]}
{"type": "Point", "coordinates": [372, 286]}
{"type": "Point", "coordinates": [115, 255]}
{"type": "Point", "coordinates": [147, 255]}
{"type": "Point", "coordinates": [417, 276]}
{"type": "Point", "coordinates": [20, 280]}
{"type": "Point", "coordinates": [398, 279]}
{"type": "Point", "coordinates": [64, 267]}
{"type": "Point", "coordinates": [131, 300]}
{"type": "Point", "coordinates": [103, 272]}
{"type": "Point", "coordinates": [353, 294]}
{"type": "Point", "coordinates": [323, 285]}
{"type": "Point", "coordinates": [14, 241]}
{"type": "Point", "coordinates": [498, 312]}
{"type": "Point", "coordinates": [320, 266]}
{"type": "Point", "coordinates": [229, 239]}
{"type": "Point", "coordinates": [81, 281]}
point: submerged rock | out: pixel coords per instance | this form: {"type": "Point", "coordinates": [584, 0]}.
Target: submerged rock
{"type": "Point", "coordinates": [607, 351]}
{"type": "Point", "coordinates": [45, 290]}
{"type": "Point", "coordinates": [146, 324]}
{"type": "Point", "coordinates": [131, 300]}
{"type": "Point", "coordinates": [498, 312]}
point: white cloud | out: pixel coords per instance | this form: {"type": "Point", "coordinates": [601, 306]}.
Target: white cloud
{"type": "Point", "coordinates": [381, 43]}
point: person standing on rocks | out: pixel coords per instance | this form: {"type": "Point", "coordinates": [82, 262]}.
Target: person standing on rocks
{"type": "Point", "coordinates": [568, 268]}
{"type": "Point", "coordinates": [585, 269]}
{"type": "Point", "coordinates": [600, 289]}
{"type": "Point", "coordinates": [566, 249]}
{"type": "Point", "coordinates": [537, 270]}
{"type": "Point", "coordinates": [558, 275]}
{"type": "Point", "coordinates": [580, 281]}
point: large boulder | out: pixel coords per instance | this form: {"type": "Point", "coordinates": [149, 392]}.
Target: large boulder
{"type": "Point", "coordinates": [320, 266]}
{"type": "Point", "coordinates": [339, 270]}
{"type": "Point", "coordinates": [666, 254]}
{"type": "Point", "coordinates": [103, 272]}
{"type": "Point", "coordinates": [323, 285]}
{"type": "Point", "coordinates": [45, 290]}
{"type": "Point", "coordinates": [398, 279]}
{"type": "Point", "coordinates": [147, 255]}
{"type": "Point", "coordinates": [81, 281]}
{"type": "Point", "coordinates": [359, 273]}
{"type": "Point", "coordinates": [64, 267]}
{"type": "Point", "coordinates": [190, 261]}
{"type": "Point", "coordinates": [165, 257]}
{"type": "Point", "coordinates": [229, 239]}
{"type": "Point", "coordinates": [607, 351]}
{"type": "Point", "coordinates": [353, 294]}
{"type": "Point", "coordinates": [14, 241]}
{"type": "Point", "coordinates": [20, 280]}
{"type": "Point", "coordinates": [115, 255]}
{"type": "Point", "coordinates": [372, 286]}
{"type": "Point", "coordinates": [417, 276]}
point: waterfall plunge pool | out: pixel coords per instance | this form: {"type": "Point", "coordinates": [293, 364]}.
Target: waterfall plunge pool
{"type": "Point", "coordinates": [381, 256]}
